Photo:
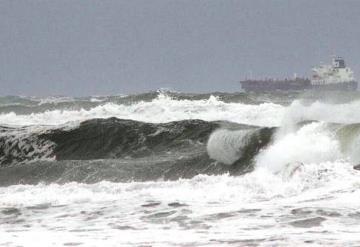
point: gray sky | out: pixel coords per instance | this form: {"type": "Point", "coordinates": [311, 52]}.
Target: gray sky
{"type": "Point", "coordinates": [87, 47]}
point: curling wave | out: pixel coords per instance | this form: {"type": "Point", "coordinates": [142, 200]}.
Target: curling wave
{"type": "Point", "coordinates": [117, 150]}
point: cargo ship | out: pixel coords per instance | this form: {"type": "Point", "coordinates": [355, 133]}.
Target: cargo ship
{"type": "Point", "coordinates": [335, 76]}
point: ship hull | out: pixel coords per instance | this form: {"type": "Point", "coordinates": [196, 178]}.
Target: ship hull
{"type": "Point", "coordinates": [347, 86]}
{"type": "Point", "coordinates": [275, 85]}
{"type": "Point", "coordinates": [299, 85]}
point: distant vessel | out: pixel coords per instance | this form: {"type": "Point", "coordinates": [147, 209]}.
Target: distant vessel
{"type": "Point", "coordinates": [334, 76]}
{"type": "Point", "coordinates": [325, 77]}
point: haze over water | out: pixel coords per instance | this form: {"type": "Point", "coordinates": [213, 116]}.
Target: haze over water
{"type": "Point", "coordinates": [121, 47]}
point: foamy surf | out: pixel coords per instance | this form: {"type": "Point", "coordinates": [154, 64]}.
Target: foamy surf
{"type": "Point", "coordinates": [172, 171]}
{"type": "Point", "coordinates": [161, 109]}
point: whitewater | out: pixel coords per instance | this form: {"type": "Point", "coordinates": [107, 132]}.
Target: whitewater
{"type": "Point", "coordinates": [175, 169]}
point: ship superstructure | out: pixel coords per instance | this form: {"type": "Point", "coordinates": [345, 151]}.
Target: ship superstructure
{"type": "Point", "coordinates": [335, 76]}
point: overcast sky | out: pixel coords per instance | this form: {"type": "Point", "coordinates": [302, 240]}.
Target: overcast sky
{"type": "Point", "coordinates": [88, 47]}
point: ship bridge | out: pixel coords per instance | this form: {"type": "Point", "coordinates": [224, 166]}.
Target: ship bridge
{"type": "Point", "coordinates": [336, 73]}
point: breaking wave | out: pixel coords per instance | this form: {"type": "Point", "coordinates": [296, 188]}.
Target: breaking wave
{"type": "Point", "coordinates": [162, 108]}
{"type": "Point", "coordinates": [160, 138]}
{"type": "Point", "coordinates": [127, 148]}
{"type": "Point", "coordinates": [269, 165]}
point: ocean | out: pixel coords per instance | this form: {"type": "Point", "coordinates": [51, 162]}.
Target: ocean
{"type": "Point", "coordinates": [167, 168]}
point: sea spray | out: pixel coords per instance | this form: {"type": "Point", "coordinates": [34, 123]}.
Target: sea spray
{"type": "Point", "coordinates": [311, 143]}
{"type": "Point", "coordinates": [159, 110]}
{"type": "Point", "coordinates": [154, 182]}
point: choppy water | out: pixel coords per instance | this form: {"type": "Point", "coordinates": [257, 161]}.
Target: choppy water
{"type": "Point", "coordinates": [174, 169]}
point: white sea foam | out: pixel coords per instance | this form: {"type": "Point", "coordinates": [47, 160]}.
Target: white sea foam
{"type": "Point", "coordinates": [165, 109]}
{"type": "Point", "coordinates": [334, 113]}
{"type": "Point", "coordinates": [161, 109]}
{"type": "Point", "coordinates": [319, 204]}
{"type": "Point", "coordinates": [312, 143]}
{"type": "Point", "coordinates": [54, 100]}
{"type": "Point", "coordinates": [210, 207]}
